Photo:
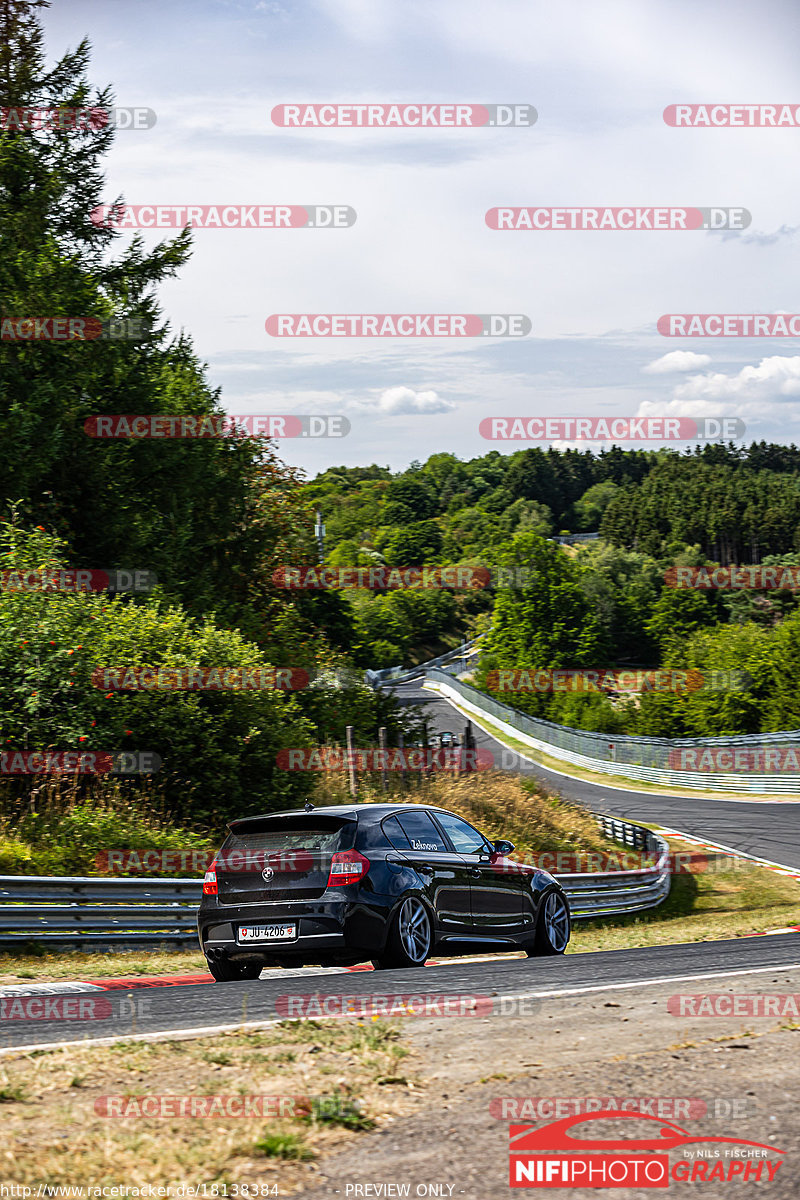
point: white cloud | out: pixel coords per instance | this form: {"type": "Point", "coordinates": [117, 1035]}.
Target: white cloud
{"type": "Point", "coordinates": [772, 378]}
{"type": "Point", "coordinates": [755, 394]}
{"type": "Point", "coordinates": [398, 400]}
{"type": "Point", "coordinates": [677, 360]}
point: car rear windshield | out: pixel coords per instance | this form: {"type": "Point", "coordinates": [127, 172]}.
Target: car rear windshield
{"type": "Point", "coordinates": [298, 837]}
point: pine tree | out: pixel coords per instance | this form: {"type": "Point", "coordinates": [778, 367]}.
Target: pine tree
{"type": "Point", "coordinates": [197, 512]}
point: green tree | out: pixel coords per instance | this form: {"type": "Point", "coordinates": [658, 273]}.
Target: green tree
{"type": "Point", "coordinates": [191, 510]}
{"type": "Point", "coordinates": [546, 620]}
{"type": "Point", "coordinates": [676, 614]}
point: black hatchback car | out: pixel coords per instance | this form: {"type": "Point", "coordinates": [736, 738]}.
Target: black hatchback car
{"type": "Point", "coordinates": [382, 882]}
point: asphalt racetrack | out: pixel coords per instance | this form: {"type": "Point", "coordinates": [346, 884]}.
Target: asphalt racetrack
{"type": "Point", "coordinates": [761, 828]}
{"type": "Point", "coordinates": [149, 1011]}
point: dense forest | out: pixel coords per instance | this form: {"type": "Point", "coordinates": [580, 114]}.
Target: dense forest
{"type": "Point", "coordinates": [605, 603]}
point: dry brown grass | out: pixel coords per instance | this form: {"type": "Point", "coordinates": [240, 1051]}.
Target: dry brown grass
{"type": "Point", "coordinates": [53, 1135]}
{"type": "Point", "coordinates": [498, 803]}
{"type": "Point", "coordinates": [17, 967]}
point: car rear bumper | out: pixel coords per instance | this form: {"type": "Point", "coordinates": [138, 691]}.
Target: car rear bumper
{"type": "Point", "coordinates": [331, 928]}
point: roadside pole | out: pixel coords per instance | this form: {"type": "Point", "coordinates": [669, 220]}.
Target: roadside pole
{"type": "Point", "coordinates": [351, 763]}
{"type": "Point", "coordinates": [384, 749]}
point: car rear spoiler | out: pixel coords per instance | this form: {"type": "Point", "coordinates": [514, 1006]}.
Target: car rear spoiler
{"type": "Point", "coordinates": [314, 820]}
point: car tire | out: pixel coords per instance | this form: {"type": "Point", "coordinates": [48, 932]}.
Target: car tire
{"type": "Point", "coordinates": [228, 972]}
{"type": "Point", "coordinates": [552, 926]}
{"type": "Point", "coordinates": [410, 937]}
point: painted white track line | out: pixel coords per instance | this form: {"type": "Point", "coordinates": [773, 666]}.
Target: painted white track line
{"type": "Point", "coordinates": [47, 989]}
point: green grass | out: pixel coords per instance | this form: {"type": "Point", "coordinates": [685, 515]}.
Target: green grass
{"type": "Point", "coordinates": [339, 1110]}
{"type": "Point", "coordinates": [284, 1145]}
{"type": "Point", "coordinates": [710, 906]}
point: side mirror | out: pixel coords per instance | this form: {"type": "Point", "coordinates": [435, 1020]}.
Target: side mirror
{"type": "Point", "coordinates": [502, 847]}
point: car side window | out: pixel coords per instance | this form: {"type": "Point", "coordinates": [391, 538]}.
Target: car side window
{"type": "Point", "coordinates": [421, 831]}
{"type": "Point", "coordinates": [465, 839]}
{"type": "Point", "coordinates": [394, 832]}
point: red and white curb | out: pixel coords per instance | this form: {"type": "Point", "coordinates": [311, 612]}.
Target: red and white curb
{"type": "Point", "coordinates": [766, 863]}
{"type": "Point", "coordinates": [778, 868]}
{"type": "Point", "coordinates": [158, 981]}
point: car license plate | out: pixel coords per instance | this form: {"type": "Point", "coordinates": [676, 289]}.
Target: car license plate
{"type": "Point", "coordinates": [267, 933]}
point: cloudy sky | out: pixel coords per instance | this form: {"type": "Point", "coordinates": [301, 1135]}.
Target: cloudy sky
{"type": "Point", "coordinates": [599, 77]}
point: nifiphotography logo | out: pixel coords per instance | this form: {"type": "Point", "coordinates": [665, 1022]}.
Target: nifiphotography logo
{"type": "Point", "coordinates": [552, 1156]}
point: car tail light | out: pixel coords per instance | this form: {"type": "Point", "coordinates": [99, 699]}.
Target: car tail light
{"type": "Point", "coordinates": [347, 866]}
{"type": "Point", "coordinates": [210, 880]}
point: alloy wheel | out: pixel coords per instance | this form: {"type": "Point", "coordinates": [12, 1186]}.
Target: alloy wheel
{"type": "Point", "coordinates": [556, 922]}
{"type": "Point", "coordinates": [415, 929]}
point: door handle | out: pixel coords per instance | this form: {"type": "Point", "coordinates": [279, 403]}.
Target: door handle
{"type": "Point", "coordinates": [475, 872]}
{"type": "Point", "coordinates": [424, 868]}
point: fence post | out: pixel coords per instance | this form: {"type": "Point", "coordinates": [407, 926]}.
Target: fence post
{"type": "Point", "coordinates": [427, 765]}
{"type": "Point", "coordinates": [384, 748]}
{"type": "Point", "coordinates": [351, 763]}
{"type": "Point", "coordinates": [469, 738]}
{"type": "Point", "coordinates": [401, 747]}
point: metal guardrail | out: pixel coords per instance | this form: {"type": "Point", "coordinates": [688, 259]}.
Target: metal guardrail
{"type": "Point", "coordinates": [401, 675]}
{"type": "Point", "coordinates": [97, 914]}
{"type": "Point", "coordinates": [641, 758]}
{"type": "Point", "coordinates": [593, 895]}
